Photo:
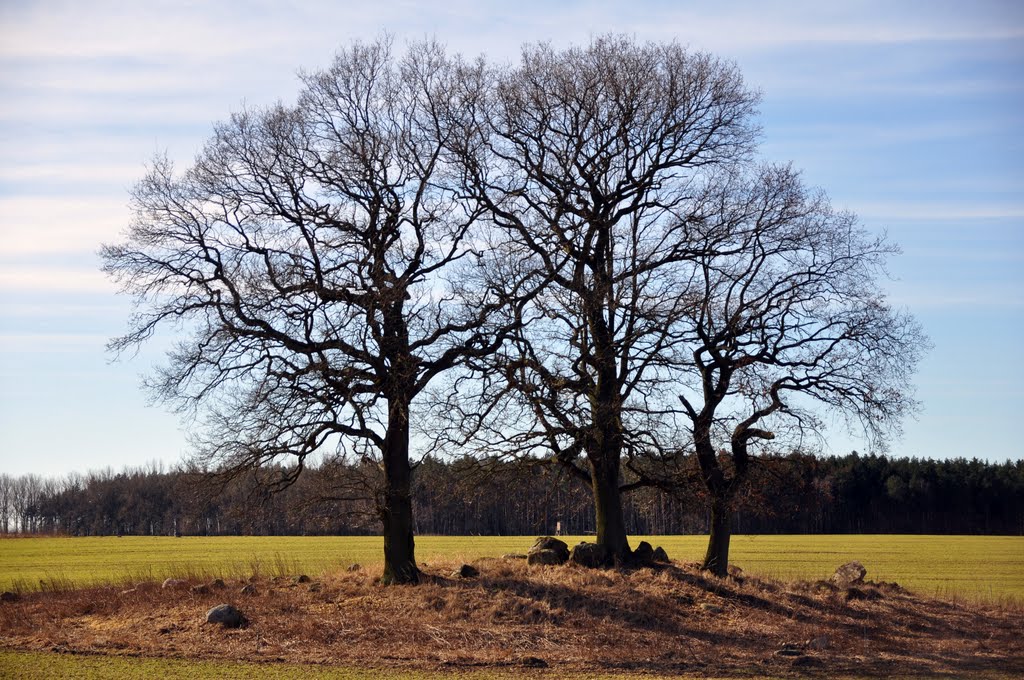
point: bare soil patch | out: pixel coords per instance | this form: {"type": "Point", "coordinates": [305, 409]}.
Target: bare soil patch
{"type": "Point", "coordinates": [665, 619]}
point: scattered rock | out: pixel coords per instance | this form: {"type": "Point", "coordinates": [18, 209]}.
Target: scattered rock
{"type": "Point", "coordinates": [533, 662]}
{"type": "Point", "coordinates": [315, 587]}
{"type": "Point", "coordinates": [849, 574]}
{"type": "Point", "coordinates": [8, 596]}
{"type": "Point", "coordinates": [591, 555]}
{"type": "Point", "coordinates": [790, 650]}
{"type": "Point", "coordinates": [354, 567]}
{"type": "Point", "coordinates": [218, 584]}
{"type": "Point", "coordinates": [302, 578]}
{"type": "Point", "coordinates": [544, 557]}
{"type": "Point", "coordinates": [862, 594]}
{"type": "Point", "coordinates": [513, 556]}
{"type": "Point", "coordinates": [174, 583]}
{"type": "Point", "coordinates": [735, 571]}
{"type": "Point", "coordinates": [248, 589]}
{"type": "Point", "coordinates": [466, 571]}
{"type": "Point", "coordinates": [818, 643]}
{"type": "Point", "coordinates": [644, 553]}
{"type": "Point", "coordinates": [890, 588]}
{"type": "Point", "coordinates": [201, 589]}
{"type": "Point", "coordinates": [226, 615]}
{"type": "Point", "coordinates": [561, 548]}
{"type": "Point", "coordinates": [660, 555]}
{"type": "Point", "coordinates": [711, 608]}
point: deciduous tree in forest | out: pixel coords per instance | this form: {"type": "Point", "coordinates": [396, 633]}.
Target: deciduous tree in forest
{"type": "Point", "coordinates": [787, 319]}
{"type": "Point", "coordinates": [592, 162]}
{"type": "Point", "coordinates": [308, 254]}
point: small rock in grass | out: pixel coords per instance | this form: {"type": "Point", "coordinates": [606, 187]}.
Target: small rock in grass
{"type": "Point", "coordinates": [201, 589]}
{"type": "Point", "coordinates": [174, 583]}
{"type": "Point", "coordinates": [466, 571]}
{"type": "Point", "coordinates": [660, 555]}
{"type": "Point", "coordinates": [789, 650]}
{"type": "Point", "coordinates": [8, 596]}
{"type": "Point", "coordinates": [534, 662]}
{"type": "Point", "coordinates": [513, 556]}
{"type": "Point", "coordinates": [226, 615]}
{"type": "Point", "coordinates": [218, 584]}
{"type": "Point", "coordinates": [315, 587]}
{"type": "Point", "coordinates": [818, 643]}
{"type": "Point", "coordinates": [354, 567]}
{"type": "Point", "coordinates": [711, 608]}
{"type": "Point", "coordinates": [248, 589]}
{"type": "Point", "coordinates": [849, 574]}
{"type": "Point", "coordinates": [302, 578]}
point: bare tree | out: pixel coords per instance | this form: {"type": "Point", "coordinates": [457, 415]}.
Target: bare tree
{"type": "Point", "coordinates": [6, 501]}
{"type": "Point", "coordinates": [309, 254]}
{"type": "Point", "coordinates": [787, 323]}
{"type": "Point", "coordinates": [592, 162]}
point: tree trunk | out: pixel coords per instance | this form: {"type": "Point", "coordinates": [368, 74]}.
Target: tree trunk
{"type": "Point", "coordinates": [611, 525]}
{"type": "Point", "coordinates": [716, 560]}
{"type": "Point", "coordinates": [396, 513]}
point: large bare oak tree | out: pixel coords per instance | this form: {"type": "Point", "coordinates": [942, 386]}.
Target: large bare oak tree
{"type": "Point", "coordinates": [308, 253]}
{"type": "Point", "coordinates": [592, 162]}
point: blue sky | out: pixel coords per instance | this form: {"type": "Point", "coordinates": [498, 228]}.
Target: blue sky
{"type": "Point", "coordinates": [910, 114]}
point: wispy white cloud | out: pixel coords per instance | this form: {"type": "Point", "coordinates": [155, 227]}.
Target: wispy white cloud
{"type": "Point", "coordinates": [50, 342]}
{"type": "Point", "coordinates": [33, 225]}
{"type": "Point", "coordinates": [53, 280]}
{"type": "Point", "coordinates": [936, 210]}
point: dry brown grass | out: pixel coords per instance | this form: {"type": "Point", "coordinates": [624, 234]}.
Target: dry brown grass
{"type": "Point", "coordinates": [667, 620]}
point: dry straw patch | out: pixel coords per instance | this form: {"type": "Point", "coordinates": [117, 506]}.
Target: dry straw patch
{"type": "Point", "coordinates": [671, 619]}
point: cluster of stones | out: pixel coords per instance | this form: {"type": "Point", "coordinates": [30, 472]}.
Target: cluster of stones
{"type": "Point", "coordinates": [548, 550]}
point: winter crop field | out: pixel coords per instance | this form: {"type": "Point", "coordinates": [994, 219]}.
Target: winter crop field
{"type": "Point", "coordinates": [973, 567]}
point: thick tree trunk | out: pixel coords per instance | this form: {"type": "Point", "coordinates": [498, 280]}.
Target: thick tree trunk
{"type": "Point", "coordinates": [716, 560]}
{"type": "Point", "coordinates": [396, 513]}
{"type": "Point", "coordinates": [611, 525]}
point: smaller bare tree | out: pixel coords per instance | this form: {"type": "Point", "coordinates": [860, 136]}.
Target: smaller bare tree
{"type": "Point", "coordinates": [787, 322]}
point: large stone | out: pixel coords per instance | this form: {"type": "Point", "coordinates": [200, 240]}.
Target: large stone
{"type": "Point", "coordinates": [551, 543]}
{"type": "Point", "coordinates": [849, 574]}
{"type": "Point", "coordinates": [592, 555]}
{"type": "Point", "coordinates": [644, 553]}
{"type": "Point", "coordinates": [545, 557]}
{"type": "Point", "coordinates": [226, 615]}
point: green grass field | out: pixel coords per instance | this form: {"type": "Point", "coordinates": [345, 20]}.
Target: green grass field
{"type": "Point", "coordinates": [975, 567]}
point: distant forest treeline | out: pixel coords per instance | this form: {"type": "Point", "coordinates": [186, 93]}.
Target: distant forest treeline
{"type": "Point", "coordinates": [795, 494]}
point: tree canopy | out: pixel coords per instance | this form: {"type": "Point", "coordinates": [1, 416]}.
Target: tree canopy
{"type": "Point", "coordinates": [581, 244]}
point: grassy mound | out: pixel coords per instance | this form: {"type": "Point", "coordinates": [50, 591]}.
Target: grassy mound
{"type": "Point", "coordinates": [667, 620]}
